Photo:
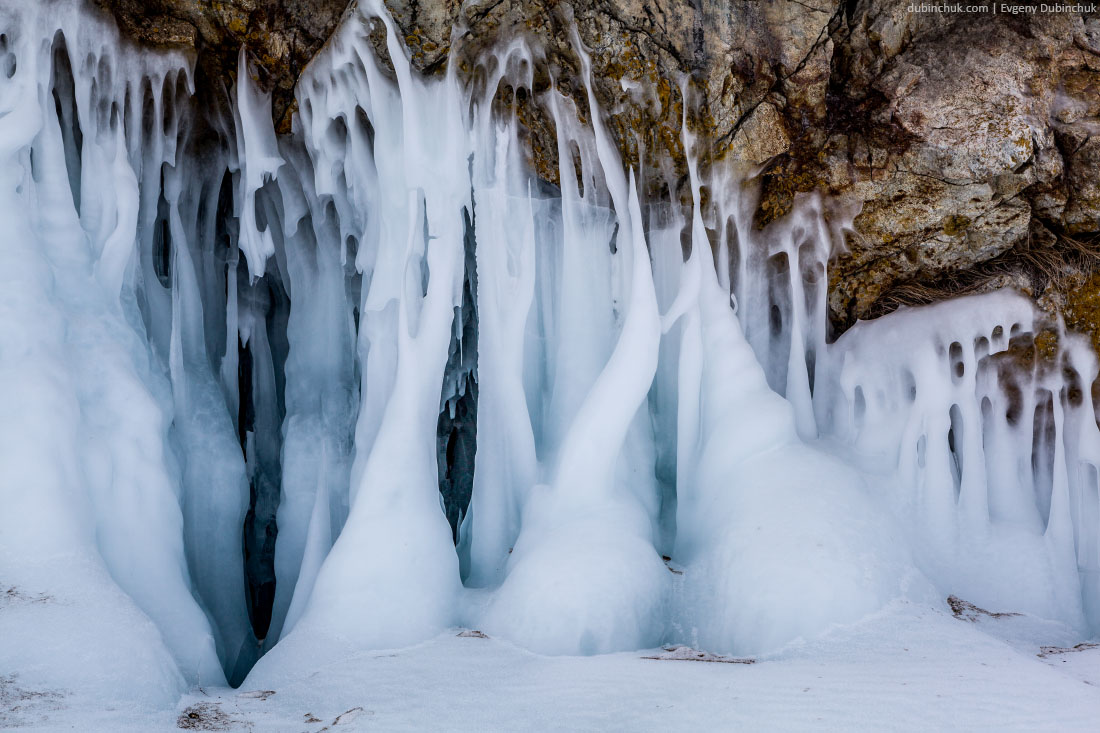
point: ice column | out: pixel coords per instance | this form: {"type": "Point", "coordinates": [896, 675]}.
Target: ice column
{"type": "Point", "coordinates": [88, 483]}
{"type": "Point", "coordinates": [392, 575]}
{"type": "Point", "coordinates": [584, 576]}
{"type": "Point", "coordinates": [504, 228]}
{"type": "Point", "coordinates": [778, 539]}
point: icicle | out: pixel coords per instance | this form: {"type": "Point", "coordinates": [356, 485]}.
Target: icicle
{"type": "Point", "coordinates": [364, 590]}
{"type": "Point", "coordinates": [118, 248]}
{"type": "Point", "coordinates": [214, 487]}
{"type": "Point", "coordinates": [88, 482]}
{"type": "Point", "coordinates": [505, 222]}
{"type": "Point", "coordinates": [632, 403]}
{"type": "Point", "coordinates": [584, 531]}
{"type": "Point", "coordinates": [259, 156]}
{"type": "Point", "coordinates": [321, 397]}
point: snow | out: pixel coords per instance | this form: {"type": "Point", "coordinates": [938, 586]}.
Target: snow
{"type": "Point", "coordinates": [906, 668]}
{"type": "Point", "coordinates": [669, 451]}
{"type": "Point", "coordinates": [854, 677]}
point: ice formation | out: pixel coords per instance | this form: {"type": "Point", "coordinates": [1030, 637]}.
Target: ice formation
{"type": "Point", "coordinates": [237, 369]}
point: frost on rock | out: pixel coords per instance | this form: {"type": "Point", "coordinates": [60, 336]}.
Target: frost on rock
{"type": "Point", "coordinates": [238, 371]}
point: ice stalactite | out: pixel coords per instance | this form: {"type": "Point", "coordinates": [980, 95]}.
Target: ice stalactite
{"type": "Point", "coordinates": [259, 308]}
{"type": "Point", "coordinates": [214, 489]}
{"type": "Point", "coordinates": [88, 480]}
{"type": "Point", "coordinates": [777, 538]}
{"type": "Point", "coordinates": [321, 394]}
{"type": "Point", "coordinates": [504, 231]}
{"type": "Point", "coordinates": [251, 383]}
{"type": "Point", "coordinates": [261, 358]}
{"type": "Point", "coordinates": [585, 576]}
{"type": "Point", "coordinates": [392, 574]}
{"type": "Point", "coordinates": [258, 155]}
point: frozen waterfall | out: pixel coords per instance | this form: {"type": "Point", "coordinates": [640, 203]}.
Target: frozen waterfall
{"type": "Point", "coordinates": [236, 370]}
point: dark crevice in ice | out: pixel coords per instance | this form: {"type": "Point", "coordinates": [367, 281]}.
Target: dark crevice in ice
{"type": "Point", "coordinates": [64, 99]}
{"type": "Point", "coordinates": [456, 431]}
{"type": "Point", "coordinates": [162, 240]}
{"type": "Point", "coordinates": [261, 381]}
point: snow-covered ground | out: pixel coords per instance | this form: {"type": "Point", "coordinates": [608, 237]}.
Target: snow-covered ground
{"type": "Point", "coordinates": [906, 668]}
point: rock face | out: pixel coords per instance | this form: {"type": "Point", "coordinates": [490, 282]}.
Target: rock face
{"type": "Point", "coordinates": [280, 35]}
{"type": "Point", "coordinates": [970, 140]}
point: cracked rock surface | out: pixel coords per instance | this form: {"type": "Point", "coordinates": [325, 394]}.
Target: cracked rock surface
{"type": "Point", "coordinates": [966, 137]}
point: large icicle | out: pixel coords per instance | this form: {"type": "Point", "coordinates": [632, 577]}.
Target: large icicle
{"type": "Point", "coordinates": [259, 157]}
{"type": "Point", "coordinates": [214, 485]}
{"type": "Point", "coordinates": [585, 576]}
{"type": "Point", "coordinates": [392, 576]}
{"type": "Point", "coordinates": [504, 228]}
{"type": "Point", "coordinates": [778, 540]}
{"type": "Point", "coordinates": [321, 395]}
{"type": "Point", "coordinates": [87, 481]}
